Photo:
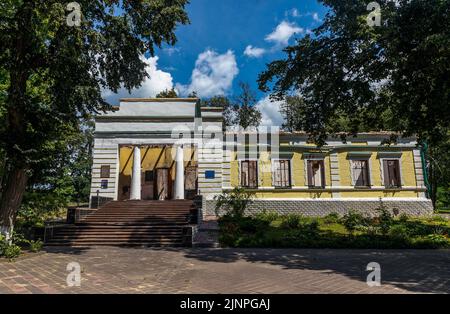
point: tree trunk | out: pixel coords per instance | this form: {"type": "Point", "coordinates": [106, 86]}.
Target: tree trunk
{"type": "Point", "coordinates": [11, 198]}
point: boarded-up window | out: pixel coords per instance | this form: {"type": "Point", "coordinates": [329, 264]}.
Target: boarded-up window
{"type": "Point", "coordinates": [316, 173]}
{"type": "Point", "coordinates": [391, 170]}
{"type": "Point", "coordinates": [105, 171]}
{"type": "Point", "coordinates": [360, 172]}
{"type": "Point", "coordinates": [249, 173]}
{"type": "Point", "coordinates": [281, 173]}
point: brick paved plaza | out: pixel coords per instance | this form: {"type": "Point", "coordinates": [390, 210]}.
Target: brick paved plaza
{"type": "Point", "coordinates": [200, 270]}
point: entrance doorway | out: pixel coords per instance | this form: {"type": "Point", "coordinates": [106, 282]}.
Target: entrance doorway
{"type": "Point", "coordinates": [162, 184]}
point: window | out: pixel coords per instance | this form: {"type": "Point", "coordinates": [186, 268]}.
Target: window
{"type": "Point", "coordinates": [281, 173]}
{"type": "Point", "coordinates": [391, 171]}
{"type": "Point", "coordinates": [105, 171]}
{"type": "Point", "coordinates": [316, 173]}
{"type": "Point", "coordinates": [249, 173]}
{"type": "Point", "coordinates": [360, 173]}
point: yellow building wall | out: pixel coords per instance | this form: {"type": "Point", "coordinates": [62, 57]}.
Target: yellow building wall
{"type": "Point", "coordinates": [299, 177]}
{"type": "Point", "coordinates": [298, 169]}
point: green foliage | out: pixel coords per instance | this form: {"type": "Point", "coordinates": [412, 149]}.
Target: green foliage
{"type": "Point", "coordinates": [167, 94]}
{"type": "Point", "coordinates": [384, 219]}
{"type": "Point", "coordinates": [234, 202]}
{"type": "Point", "coordinates": [371, 77]}
{"type": "Point", "coordinates": [247, 115]}
{"type": "Point", "coordinates": [304, 232]}
{"type": "Point", "coordinates": [331, 218]}
{"type": "Point", "coordinates": [399, 231]}
{"type": "Point", "coordinates": [36, 246]}
{"type": "Point", "coordinates": [52, 76]}
{"type": "Point", "coordinates": [8, 249]}
{"type": "Point", "coordinates": [291, 221]}
{"type": "Point", "coordinates": [267, 217]}
{"type": "Point", "coordinates": [352, 220]}
{"type": "Point", "coordinates": [239, 110]}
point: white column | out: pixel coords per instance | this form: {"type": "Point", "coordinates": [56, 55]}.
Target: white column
{"type": "Point", "coordinates": [179, 174]}
{"type": "Point", "coordinates": [135, 189]}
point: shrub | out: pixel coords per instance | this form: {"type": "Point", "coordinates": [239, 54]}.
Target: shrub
{"type": "Point", "coordinates": [311, 228]}
{"type": "Point", "coordinates": [267, 217]}
{"type": "Point", "coordinates": [36, 246]}
{"type": "Point", "coordinates": [233, 202]}
{"type": "Point", "coordinates": [385, 219]}
{"type": "Point", "coordinates": [8, 249]}
{"type": "Point", "coordinates": [437, 241]}
{"type": "Point", "coordinates": [399, 232]}
{"type": "Point", "coordinates": [331, 218]}
{"type": "Point", "coordinates": [403, 218]}
{"type": "Point", "coordinates": [291, 221]}
{"type": "Point", "coordinates": [352, 220]}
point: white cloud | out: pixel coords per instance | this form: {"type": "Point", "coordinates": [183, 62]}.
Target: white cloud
{"type": "Point", "coordinates": [254, 52]}
{"type": "Point", "coordinates": [294, 12]}
{"type": "Point", "coordinates": [171, 50]}
{"type": "Point", "coordinates": [270, 112]}
{"type": "Point", "coordinates": [213, 74]}
{"type": "Point", "coordinates": [316, 17]}
{"type": "Point", "coordinates": [158, 81]}
{"type": "Point", "coordinates": [283, 32]}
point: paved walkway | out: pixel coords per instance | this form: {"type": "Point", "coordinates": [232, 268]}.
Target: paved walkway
{"type": "Point", "coordinates": [202, 270]}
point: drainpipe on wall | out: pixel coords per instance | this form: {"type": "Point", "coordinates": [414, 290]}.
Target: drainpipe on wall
{"type": "Point", "coordinates": [423, 152]}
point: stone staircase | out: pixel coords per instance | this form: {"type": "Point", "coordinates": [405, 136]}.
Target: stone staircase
{"type": "Point", "coordinates": [131, 223]}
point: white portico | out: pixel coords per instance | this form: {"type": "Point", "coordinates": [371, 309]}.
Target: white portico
{"type": "Point", "coordinates": [138, 154]}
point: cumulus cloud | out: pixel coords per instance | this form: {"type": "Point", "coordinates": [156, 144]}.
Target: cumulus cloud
{"type": "Point", "coordinates": [213, 74]}
{"type": "Point", "coordinates": [158, 81]}
{"type": "Point", "coordinates": [270, 112]}
{"type": "Point", "coordinates": [283, 32]}
{"type": "Point", "coordinates": [254, 52]}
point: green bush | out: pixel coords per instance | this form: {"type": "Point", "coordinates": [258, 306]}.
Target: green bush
{"type": "Point", "coordinates": [399, 231]}
{"type": "Point", "coordinates": [352, 220]}
{"type": "Point", "coordinates": [36, 246]}
{"type": "Point", "coordinates": [234, 202]}
{"type": "Point", "coordinates": [385, 219]}
{"type": "Point", "coordinates": [267, 216]}
{"type": "Point", "coordinates": [403, 218]}
{"type": "Point", "coordinates": [291, 221]}
{"type": "Point", "coordinates": [331, 218]}
{"type": "Point", "coordinates": [8, 249]}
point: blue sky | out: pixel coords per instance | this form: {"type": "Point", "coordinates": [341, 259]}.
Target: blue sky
{"type": "Point", "coordinates": [227, 42]}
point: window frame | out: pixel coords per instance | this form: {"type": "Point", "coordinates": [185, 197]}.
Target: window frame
{"type": "Point", "coordinates": [323, 173]}
{"type": "Point", "coordinates": [368, 173]}
{"type": "Point", "coordinates": [275, 160]}
{"type": "Point", "coordinates": [107, 169]}
{"type": "Point", "coordinates": [383, 174]}
{"type": "Point", "coordinates": [256, 173]}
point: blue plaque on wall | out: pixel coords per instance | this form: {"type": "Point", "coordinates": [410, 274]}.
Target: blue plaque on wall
{"type": "Point", "coordinates": [210, 174]}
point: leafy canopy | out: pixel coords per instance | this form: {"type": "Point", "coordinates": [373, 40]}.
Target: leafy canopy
{"type": "Point", "coordinates": [349, 69]}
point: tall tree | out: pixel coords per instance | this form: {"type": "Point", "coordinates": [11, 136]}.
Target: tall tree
{"type": "Point", "coordinates": [353, 68]}
{"type": "Point", "coordinates": [247, 115]}
{"type": "Point", "coordinates": [57, 62]}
